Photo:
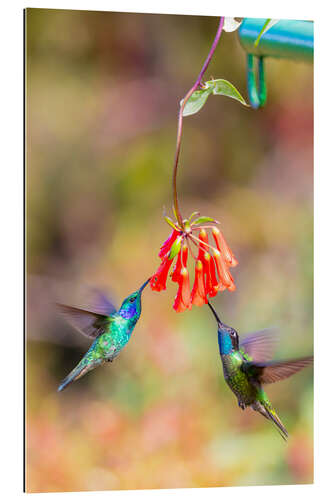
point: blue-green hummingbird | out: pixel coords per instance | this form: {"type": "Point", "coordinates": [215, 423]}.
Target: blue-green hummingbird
{"type": "Point", "coordinates": [246, 367]}
{"type": "Point", "coordinates": [111, 330]}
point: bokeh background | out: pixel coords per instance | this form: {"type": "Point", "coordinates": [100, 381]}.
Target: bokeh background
{"type": "Point", "coordinates": [102, 98]}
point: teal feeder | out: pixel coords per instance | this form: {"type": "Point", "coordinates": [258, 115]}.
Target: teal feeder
{"type": "Point", "coordinates": [286, 39]}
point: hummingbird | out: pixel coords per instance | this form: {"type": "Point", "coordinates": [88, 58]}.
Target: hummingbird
{"type": "Point", "coordinates": [110, 329]}
{"type": "Point", "coordinates": [247, 367]}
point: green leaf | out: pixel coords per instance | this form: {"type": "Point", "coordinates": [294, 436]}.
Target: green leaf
{"type": "Point", "coordinates": [171, 223]}
{"type": "Point", "coordinates": [223, 87]}
{"type": "Point", "coordinates": [193, 214]}
{"type": "Point", "coordinates": [203, 219]}
{"type": "Point", "coordinates": [217, 87]}
{"type": "Point", "coordinates": [174, 211]}
{"type": "Point", "coordinates": [174, 250]}
{"type": "Point", "coordinates": [196, 101]}
{"type": "Point", "coordinates": [269, 23]}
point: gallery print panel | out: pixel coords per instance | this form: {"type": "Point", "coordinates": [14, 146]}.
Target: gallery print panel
{"type": "Point", "coordinates": [169, 251]}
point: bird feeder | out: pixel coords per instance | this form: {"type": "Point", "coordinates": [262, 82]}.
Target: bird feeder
{"type": "Point", "coordinates": [286, 39]}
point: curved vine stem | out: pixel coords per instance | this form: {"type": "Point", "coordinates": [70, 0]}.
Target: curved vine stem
{"type": "Point", "coordinates": [180, 120]}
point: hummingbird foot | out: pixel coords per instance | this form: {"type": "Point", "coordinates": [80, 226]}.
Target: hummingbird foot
{"type": "Point", "coordinates": [241, 405]}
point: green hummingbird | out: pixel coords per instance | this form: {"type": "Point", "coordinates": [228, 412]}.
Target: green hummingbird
{"type": "Point", "coordinates": [110, 328]}
{"type": "Point", "coordinates": [246, 367]}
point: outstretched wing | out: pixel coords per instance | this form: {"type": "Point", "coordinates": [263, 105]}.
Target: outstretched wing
{"type": "Point", "coordinates": [274, 371]}
{"type": "Point", "coordinates": [100, 304]}
{"type": "Point", "coordinates": [259, 346]}
{"type": "Point", "coordinates": [86, 322]}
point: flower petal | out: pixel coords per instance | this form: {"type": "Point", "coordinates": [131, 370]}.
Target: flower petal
{"type": "Point", "coordinates": [178, 304]}
{"type": "Point", "coordinates": [186, 292]}
{"type": "Point", "coordinates": [183, 297]}
{"type": "Point", "coordinates": [198, 295]}
{"type": "Point", "coordinates": [181, 262]}
{"type": "Point", "coordinates": [168, 243]}
{"type": "Point", "coordinates": [222, 246]}
{"type": "Point", "coordinates": [158, 281]}
{"type": "Point", "coordinates": [222, 269]}
{"type": "Point", "coordinates": [207, 267]}
{"type": "Point", "coordinates": [216, 286]}
{"type": "Point", "coordinates": [203, 236]}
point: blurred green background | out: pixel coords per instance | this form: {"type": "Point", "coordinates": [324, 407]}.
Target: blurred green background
{"type": "Point", "coordinates": [102, 98]}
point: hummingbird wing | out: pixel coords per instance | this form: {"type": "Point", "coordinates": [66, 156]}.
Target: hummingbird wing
{"type": "Point", "coordinates": [100, 304]}
{"type": "Point", "coordinates": [259, 346]}
{"type": "Point", "coordinates": [88, 323]}
{"type": "Point", "coordinates": [274, 371]}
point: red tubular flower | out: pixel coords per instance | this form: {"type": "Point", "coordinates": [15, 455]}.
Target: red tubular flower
{"type": "Point", "coordinates": [175, 275]}
{"type": "Point", "coordinates": [181, 262]}
{"type": "Point", "coordinates": [210, 276]}
{"type": "Point", "coordinates": [165, 248]}
{"type": "Point", "coordinates": [203, 236]}
{"type": "Point", "coordinates": [186, 289]}
{"type": "Point", "coordinates": [222, 270]}
{"type": "Point", "coordinates": [183, 297]}
{"type": "Point", "coordinates": [178, 304]}
{"type": "Point", "coordinates": [198, 295]}
{"type": "Point", "coordinates": [212, 263]}
{"type": "Point", "coordinates": [158, 281]}
{"type": "Point", "coordinates": [223, 247]}
{"type": "Point", "coordinates": [217, 286]}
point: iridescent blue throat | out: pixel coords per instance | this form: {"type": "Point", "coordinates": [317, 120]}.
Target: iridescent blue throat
{"type": "Point", "coordinates": [225, 343]}
{"type": "Point", "coordinates": [129, 312]}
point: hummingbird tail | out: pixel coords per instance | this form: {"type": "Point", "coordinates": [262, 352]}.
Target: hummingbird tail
{"type": "Point", "coordinates": [268, 412]}
{"type": "Point", "coordinates": [81, 369]}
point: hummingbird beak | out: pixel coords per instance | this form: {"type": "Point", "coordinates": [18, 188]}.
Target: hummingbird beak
{"type": "Point", "coordinates": [144, 285]}
{"type": "Point", "coordinates": [219, 322]}
{"type": "Point", "coordinates": [214, 312]}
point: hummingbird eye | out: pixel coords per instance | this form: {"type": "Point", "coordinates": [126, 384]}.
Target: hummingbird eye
{"type": "Point", "coordinates": [132, 299]}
